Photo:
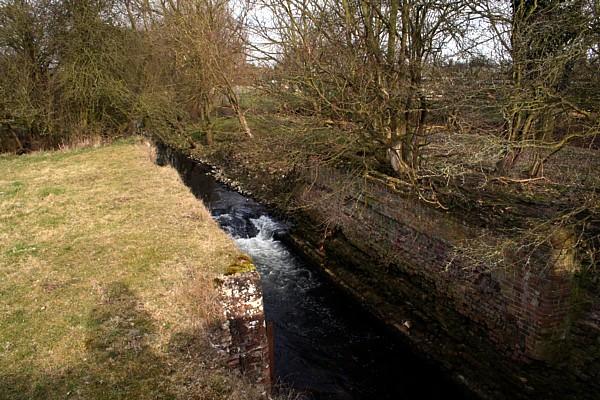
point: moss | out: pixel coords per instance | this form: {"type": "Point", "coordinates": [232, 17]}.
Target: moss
{"type": "Point", "coordinates": [242, 264]}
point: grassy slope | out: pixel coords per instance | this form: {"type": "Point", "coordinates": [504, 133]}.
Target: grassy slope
{"type": "Point", "coordinates": [107, 264]}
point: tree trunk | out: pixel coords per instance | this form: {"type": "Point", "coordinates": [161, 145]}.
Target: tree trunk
{"type": "Point", "coordinates": [235, 104]}
{"type": "Point", "coordinates": [403, 155]}
{"type": "Point", "coordinates": [547, 135]}
{"type": "Point", "coordinates": [205, 108]}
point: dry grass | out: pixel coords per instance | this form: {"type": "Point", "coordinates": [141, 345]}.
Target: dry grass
{"type": "Point", "coordinates": [107, 264]}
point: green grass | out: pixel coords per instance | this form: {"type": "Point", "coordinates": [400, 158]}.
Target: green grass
{"type": "Point", "coordinates": [107, 264]}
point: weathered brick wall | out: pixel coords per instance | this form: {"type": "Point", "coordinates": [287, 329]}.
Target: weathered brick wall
{"type": "Point", "coordinates": [526, 312]}
{"type": "Point", "coordinates": [244, 337]}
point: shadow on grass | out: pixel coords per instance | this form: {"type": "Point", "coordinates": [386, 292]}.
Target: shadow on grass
{"type": "Point", "coordinates": [119, 363]}
{"type": "Point", "coordinates": [124, 365]}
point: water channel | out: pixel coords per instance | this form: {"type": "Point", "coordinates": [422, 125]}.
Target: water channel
{"type": "Point", "coordinates": [326, 346]}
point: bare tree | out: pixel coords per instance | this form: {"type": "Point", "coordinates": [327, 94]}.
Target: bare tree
{"type": "Point", "coordinates": [551, 95]}
{"type": "Point", "coordinates": [365, 61]}
{"type": "Point", "coordinates": [205, 43]}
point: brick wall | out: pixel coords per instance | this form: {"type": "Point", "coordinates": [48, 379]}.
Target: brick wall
{"type": "Point", "coordinates": [244, 337]}
{"type": "Point", "coordinates": [400, 254]}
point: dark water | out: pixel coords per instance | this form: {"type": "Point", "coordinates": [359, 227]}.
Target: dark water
{"type": "Point", "coordinates": [326, 347]}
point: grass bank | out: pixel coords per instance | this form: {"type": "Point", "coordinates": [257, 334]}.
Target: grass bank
{"type": "Point", "coordinates": [107, 263]}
